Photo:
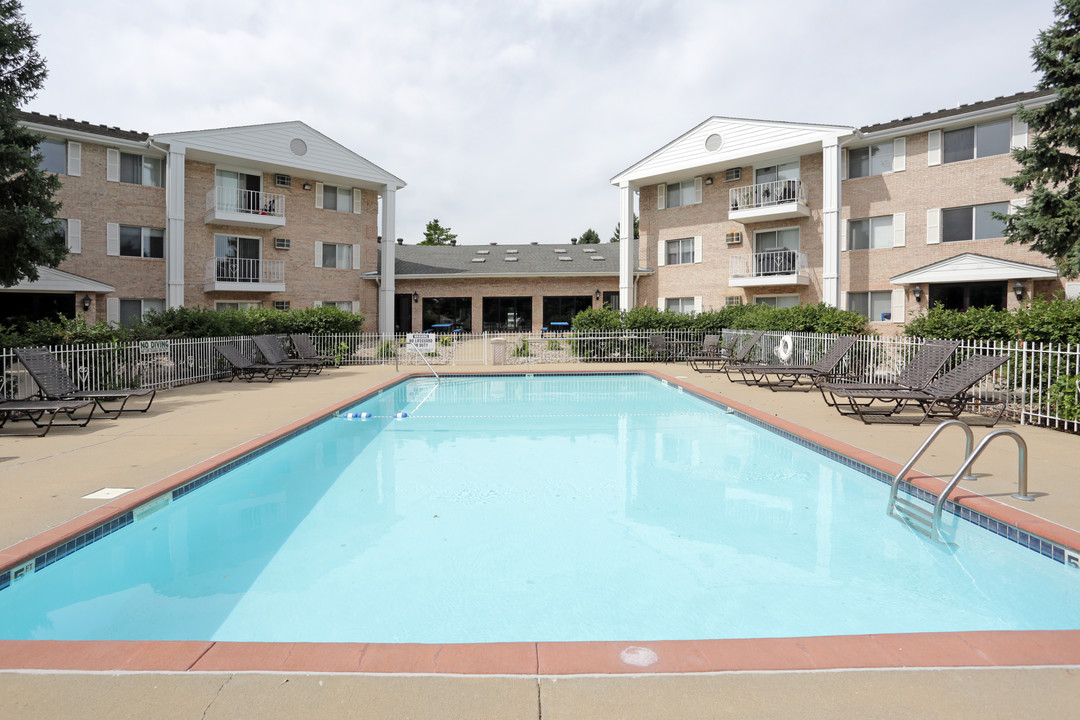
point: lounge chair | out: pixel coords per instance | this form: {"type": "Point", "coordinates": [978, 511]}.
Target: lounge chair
{"type": "Point", "coordinates": [945, 397]}
{"type": "Point", "coordinates": [306, 350]}
{"type": "Point", "coordinates": [274, 353]}
{"type": "Point", "coordinates": [35, 410]}
{"type": "Point", "coordinates": [917, 375]}
{"type": "Point", "coordinates": [720, 361]}
{"type": "Point", "coordinates": [787, 376]}
{"type": "Point", "coordinates": [249, 370]}
{"type": "Point", "coordinates": [660, 348]}
{"type": "Point", "coordinates": [54, 383]}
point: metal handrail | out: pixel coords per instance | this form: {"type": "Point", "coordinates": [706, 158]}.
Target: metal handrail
{"type": "Point", "coordinates": [969, 441]}
{"type": "Point", "coordinates": [417, 351]}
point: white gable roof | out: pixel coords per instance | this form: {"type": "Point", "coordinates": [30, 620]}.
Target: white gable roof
{"type": "Point", "coordinates": [284, 147]}
{"type": "Point", "coordinates": [722, 142]}
{"type": "Point", "coordinates": [51, 280]}
{"type": "Point", "coordinates": [970, 267]}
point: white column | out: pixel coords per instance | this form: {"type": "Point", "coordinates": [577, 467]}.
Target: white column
{"type": "Point", "coordinates": [627, 248]}
{"type": "Point", "coordinates": [830, 223]}
{"type": "Point", "coordinates": [174, 230]}
{"type": "Point", "coordinates": [386, 267]}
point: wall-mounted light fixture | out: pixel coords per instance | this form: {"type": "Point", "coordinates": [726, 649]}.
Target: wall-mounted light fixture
{"type": "Point", "coordinates": [307, 186]}
{"type": "Point", "coordinates": [86, 303]}
{"type": "Point", "coordinates": [416, 297]}
{"type": "Point", "coordinates": [597, 294]}
{"type": "Point", "coordinates": [1018, 288]}
{"type": "Point", "coordinates": [708, 180]}
{"type": "Point", "coordinates": [917, 292]}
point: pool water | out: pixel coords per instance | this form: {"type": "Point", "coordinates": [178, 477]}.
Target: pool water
{"type": "Point", "coordinates": [546, 508]}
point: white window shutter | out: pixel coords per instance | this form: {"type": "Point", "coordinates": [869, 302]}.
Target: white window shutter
{"type": "Point", "coordinates": [933, 226]}
{"type": "Point", "coordinates": [843, 300]}
{"type": "Point", "coordinates": [697, 190]}
{"type": "Point", "coordinates": [112, 309]}
{"type": "Point", "coordinates": [112, 239]}
{"type": "Point", "coordinates": [74, 236]}
{"type": "Point", "coordinates": [843, 164]}
{"type": "Point", "coordinates": [899, 154]}
{"type": "Point", "coordinates": [697, 248]}
{"type": "Point", "coordinates": [697, 304]}
{"type": "Point", "coordinates": [1019, 133]}
{"type": "Point", "coordinates": [899, 229]}
{"type": "Point", "coordinates": [356, 306]}
{"type": "Point", "coordinates": [318, 254]}
{"type": "Point", "coordinates": [112, 164]}
{"type": "Point", "coordinates": [661, 303]}
{"type": "Point", "coordinates": [898, 299]}
{"type": "Point", "coordinates": [318, 197]}
{"type": "Point", "coordinates": [933, 147]}
{"type": "Point", "coordinates": [74, 158]}
{"type": "Point", "coordinates": [661, 253]}
{"type": "Point", "coordinates": [661, 196]}
{"type": "Point", "coordinates": [1014, 205]}
{"type": "Point", "coordinates": [845, 241]}
{"type": "Point", "coordinates": [356, 257]}
{"type": "Point", "coordinates": [356, 201]}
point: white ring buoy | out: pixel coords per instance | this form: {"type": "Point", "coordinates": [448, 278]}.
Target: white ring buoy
{"type": "Point", "coordinates": [784, 349]}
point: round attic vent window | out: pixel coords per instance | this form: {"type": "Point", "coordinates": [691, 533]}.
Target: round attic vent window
{"type": "Point", "coordinates": [298, 147]}
{"type": "Point", "coordinates": [714, 142]}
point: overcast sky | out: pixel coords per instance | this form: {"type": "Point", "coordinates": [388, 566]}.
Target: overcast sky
{"type": "Point", "coordinates": [508, 118]}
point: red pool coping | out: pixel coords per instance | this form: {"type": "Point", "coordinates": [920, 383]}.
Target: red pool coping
{"type": "Point", "coordinates": [887, 651]}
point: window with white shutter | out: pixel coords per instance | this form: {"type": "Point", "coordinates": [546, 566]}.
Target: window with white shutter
{"type": "Point", "coordinates": [899, 228]}
{"type": "Point", "coordinates": [112, 164]}
{"type": "Point", "coordinates": [899, 154]}
{"type": "Point", "coordinates": [74, 236]}
{"type": "Point", "coordinates": [112, 241]}
{"type": "Point", "coordinates": [74, 158]}
{"type": "Point", "coordinates": [933, 147]}
{"type": "Point", "coordinates": [933, 226]}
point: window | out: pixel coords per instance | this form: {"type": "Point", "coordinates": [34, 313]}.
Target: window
{"type": "Point", "coordinates": [733, 238]}
{"type": "Point", "coordinates": [773, 173]}
{"type": "Point", "coordinates": [733, 299]}
{"type": "Point", "coordinates": [142, 242]}
{"type": "Point", "coordinates": [962, 296]}
{"type": "Point", "coordinates": [732, 174]}
{"type": "Point", "coordinates": [444, 314]}
{"type": "Point", "coordinates": [870, 160]}
{"type": "Point", "coordinates": [337, 198]}
{"type": "Point", "coordinates": [132, 311]}
{"type": "Point", "coordinates": [870, 233]}
{"type": "Point", "coordinates": [345, 305]}
{"type": "Point", "coordinates": [60, 229]}
{"type": "Point", "coordinates": [236, 305]}
{"type": "Point", "coordinates": [978, 141]}
{"type": "Point", "coordinates": [780, 301]}
{"type": "Point", "coordinates": [53, 156]}
{"type": "Point", "coordinates": [141, 170]}
{"type": "Point", "coordinates": [876, 306]}
{"type": "Point", "coordinates": [611, 299]}
{"type": "Point", "coordinates": [683, 193]}
{"type": "Point", "coordinates": [281, 304]}
{"type": "Point", "coordinates": [565, 308]}
{"type": "Point", "coordinates": [680, 252]}
{"type": "Point", "coordinates": [683, 305]}
{"type": "Point", "coordinates": [973, 223]}
{"type": "Point", "coordinates": [336, 256]}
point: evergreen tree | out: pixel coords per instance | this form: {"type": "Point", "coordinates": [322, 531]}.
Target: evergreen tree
{"type": "Point", "coordinates": [28, 232]}
{"type": "Point", "coordinates": [589, 237]}
{"type": "Point", "coordinates": [1050, 166]}
{"type": "Point", "coordinates": [436, 234]}
{"type": "Point", "coordinates": [618, 227]}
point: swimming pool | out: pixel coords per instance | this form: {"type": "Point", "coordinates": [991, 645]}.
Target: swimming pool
{"type": "Point", "coordinates": [679, 534]}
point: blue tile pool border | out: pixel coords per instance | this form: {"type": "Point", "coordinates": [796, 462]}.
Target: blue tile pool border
{"type": "Point", "coordinates": [1030, 541]}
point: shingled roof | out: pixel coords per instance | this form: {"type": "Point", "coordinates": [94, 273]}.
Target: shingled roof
{"type": "Point", "coordinates": [508, 260]}
{"type": "Point", "coordinates": [958, 110]}
{"type": "Point", "coordinates": [81, 126]}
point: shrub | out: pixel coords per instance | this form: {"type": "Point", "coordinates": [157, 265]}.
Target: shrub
{"type": "Point", "coordinates": [1041, 320]}
{"type": "Point", "coordinates": [801, 318]}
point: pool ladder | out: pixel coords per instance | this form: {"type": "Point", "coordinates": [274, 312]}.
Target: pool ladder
{"type": "Point", "coordinates": [929, 523]}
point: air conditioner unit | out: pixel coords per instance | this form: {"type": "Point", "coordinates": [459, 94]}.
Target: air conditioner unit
{"type": "Point", "coordinates": [732, 174]}
{"type": "Point", "coordinates": [733, 238]}
{"type": "Point", "coordinates": [283, 180]}
{"type": "Point", "coordinates": [282, 243]}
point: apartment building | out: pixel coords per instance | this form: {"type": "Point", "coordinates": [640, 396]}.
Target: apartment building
{"type": "Point", "coordinates": [883, 220]}
{"type": "Point", "coordinates": [501, 288]}
{"type": "Point", "coordinates": [274, 215]}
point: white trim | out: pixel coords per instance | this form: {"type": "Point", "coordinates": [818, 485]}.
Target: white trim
{"type": "Point", "coordinates": [661, 255]}
{"type": "Point", "coordinates": [899, 154]}
{"type": "Point", "coordinates": [933, 147]}
{"type": "Point", "coordinates": [661, 304]}
{"type": "Point", "coordinates": [318, 198]}
{"type": "Point", "coordinates": [661, 196]}
{"type": "Point", "coordinates": [843, 300]}
{"type": "Point", "coordinates": [933, 226]}
{"type": "Point", "coordinates": [843, 164]}
{"type": "Point", "coordinates": [1017, 203]}
{"type": "Point", "coordinates": [697, 248]}
{"type": "Point", "coordinates": [112, 165]}
{"type": "Point", "coordinates": [1019, 133]}
{"type": "Point", "coordinates": [318, 254]}
{"type": "Point", "coordinates": [845, 239]}
{"type": "Point", "coordinates": [112, 239]}
{"type": "Point", "coordinates": [112, 309]}
{"type": "Point", "coordinates": [74, 235]}
{"type": "Point", "coordinates": [972, 267]}
{"type": "Point", "coordinates": [356, 202]}
{"type": "Point", "coordinates": [899, 304]}
{"type": "Point", "coordinates": [697, 190]}
{"type": "Point", "coordinates": [356, 257]}
{"type": "Point", "coordinates": [697, 304]}
{"type": "Point", "coordinates": [74, 158]}
{"type": "Point", "coordinates": [899, 229]}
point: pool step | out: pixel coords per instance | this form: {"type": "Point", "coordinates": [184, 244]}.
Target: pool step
{"type": "Point", "coordinates": [917, 517]}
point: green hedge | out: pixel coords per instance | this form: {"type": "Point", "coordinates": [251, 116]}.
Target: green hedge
{"type": "Point", "coordinates": [183, 323]}
{"type": "Point", "coordinates": [1041, 320]}
{"type": "Point", "coordinates": [802, 318]}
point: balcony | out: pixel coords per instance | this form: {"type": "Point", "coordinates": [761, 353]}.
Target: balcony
{"type": "Point", "coordinates": [771, 267]}
{"type": "Point", "coordinates": [244, 275]}
{"type": "Point", "coordinates": [247, 208]}
{"type": "Point", "coordinates": [777, 200]}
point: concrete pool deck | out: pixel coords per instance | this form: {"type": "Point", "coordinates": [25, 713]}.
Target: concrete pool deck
{"type": "Point", "coordinates": [45, 480]}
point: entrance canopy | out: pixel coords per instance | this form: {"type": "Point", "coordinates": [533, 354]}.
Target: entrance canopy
{"type": "Point", "coordinates": [970, 267]}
